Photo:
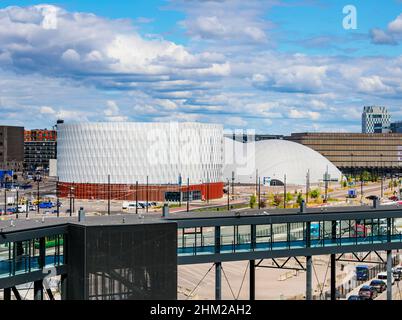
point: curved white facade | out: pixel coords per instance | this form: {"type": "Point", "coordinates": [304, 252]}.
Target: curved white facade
{"type": "Point", "coordinates": [89, 152]}
{"type": "Point", "coordinates": [273, 159]}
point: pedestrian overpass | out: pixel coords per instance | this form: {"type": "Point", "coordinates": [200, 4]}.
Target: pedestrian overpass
{"type": "Point", "coordinates": [29, 249]}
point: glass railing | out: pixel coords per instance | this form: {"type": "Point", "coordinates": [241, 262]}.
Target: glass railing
{"type": "Point", "coordinates": [235, 246]}
{"type": "Point", "coordinates": [24, 257]}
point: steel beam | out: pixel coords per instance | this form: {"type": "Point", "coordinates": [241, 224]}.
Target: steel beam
{"type": "Point", "coordinates": [309, 277]}
{"type": "Point", "coordinates": [7, 294]}
{"type": "Point", "coordinates": [218, 265]}
{"type": "Point", "coordinates": [389, 275]}
{"type": "Point", "coordinates": [218, 281]}
{"type": "Point", "coordinates": [252, 279]}
{"type": "Point", "coordinates": [38, 290]}
{"type": "Point", "coordinates": [333, 277]}
{"type": "Point", "coordinates": [16, 293]}
{"type": "Point", "coordinates": [63, 280]}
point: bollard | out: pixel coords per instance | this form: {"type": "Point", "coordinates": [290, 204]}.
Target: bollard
{"type": "Point", "coordinates": [81, 215]}
{"type": "Point", "coordinates": [302, 206]}
{"type": "Point", "coordinates": [376, 203]}
{"type": "Point", "coordinates": [165, 210]}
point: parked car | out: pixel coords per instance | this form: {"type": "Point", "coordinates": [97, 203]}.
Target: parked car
{"type": "Point", "coordinates": [46, 205]}
{"type": "Point", "coordinates": [368, 292]}
{"type": "Point", "coordinates": [397, 272]}
{"type": "Point", "coordinates": [26, 186]}
{"type": "Point", "coordinates": [11, 210]}
{"type": "Point", "coordinates": [379, 285]}
{"type": "Point", "coordinates": [383, 276]}
{"type": "Point", "coordinates": [355, 297]}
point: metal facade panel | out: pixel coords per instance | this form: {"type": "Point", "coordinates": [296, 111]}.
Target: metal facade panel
{"type": "Point", "coordinates": [131, 262]}
{"type": "Point", "coordinates": [129, 152]}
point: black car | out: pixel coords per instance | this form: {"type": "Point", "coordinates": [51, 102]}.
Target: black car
{"type": "Point", "coordinates": [356, 297]}
{"type": "Point", "coordinates": [379, 285]}
{"type": "Point", "coordinates": [368, 293]}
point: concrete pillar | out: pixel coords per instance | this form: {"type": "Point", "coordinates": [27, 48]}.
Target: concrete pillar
{"type": "Point", "coordinates": [252, 279]}
{"type": "Point", "coordinates": [38, 290]}
{"type": "Point", "coordinates": [389, 275]}
{"type": "Point", "coordinates": [309, 277]}
{"type": "Point", "coordinates": [218, 281]}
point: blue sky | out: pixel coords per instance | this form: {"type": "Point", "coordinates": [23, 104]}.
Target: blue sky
{"type": "Point", "coordinates": [274, 66]}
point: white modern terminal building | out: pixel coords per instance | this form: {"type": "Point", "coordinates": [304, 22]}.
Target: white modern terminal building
{"type": "Point", "coordinates": [173, 161]}
{"type": "Point", "coordinates": [274, 159]}
{"type": "Point", "coordinates": [151, 161]}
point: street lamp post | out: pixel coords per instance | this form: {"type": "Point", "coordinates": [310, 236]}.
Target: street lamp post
{"type": "Point", "coordinates": [17, 204]}
{"type": "Point", "coordinates": [188, 194]}
{"type": "Point", "coordinates": [147, 194]}
{"type": "Point", "coordinates": [307, 184]}
{"type": "Point", "coordinates": [37, 195]}
{"type": "Point", "coordinates": [73, 197]}
{"type": "Point", "coordinates": [259, 193]}
{"type": "Point", "coordinates": [382, 177]}
{"type": "Point", "coordinates": [108, 194]}
{"type": "Point", "coordinates": [57, 197]}
{"type": "Point", "coordinates": [5, 198]}
{"type": "Point", "coordinates": [284, 191]}
{"type": "Point", "coordinates": [136, 197]}
{"type": "Point", "coordinates": [228, 183]}
{"type": "Point", "coordinates": [352, 168]}
{"type": "Point", "coordinates": [326, 185]}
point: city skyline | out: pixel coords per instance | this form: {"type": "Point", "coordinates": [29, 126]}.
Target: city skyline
{"type": "Point", "coordinates": [200, 61]}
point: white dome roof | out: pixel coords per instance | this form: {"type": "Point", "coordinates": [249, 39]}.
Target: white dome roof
{"type": "Point", "coordinates": [273, 159]}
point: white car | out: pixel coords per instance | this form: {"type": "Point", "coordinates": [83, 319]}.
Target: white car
{"type": "Point", "coordinates": [383, 276]}
{"type": "Point", "coordinates": [22, 208]}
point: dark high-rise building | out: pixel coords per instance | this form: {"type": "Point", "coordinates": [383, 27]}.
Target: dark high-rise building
{"type": "Point", "coordinates": [39, 147]}
{"type": "Point", "coordinates": [11, 148]}
{"type": "Point", "coordinates": [396, 127]}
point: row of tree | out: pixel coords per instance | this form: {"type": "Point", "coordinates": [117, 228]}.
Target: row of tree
{"type": "Point", "coordinates": [276, 200]}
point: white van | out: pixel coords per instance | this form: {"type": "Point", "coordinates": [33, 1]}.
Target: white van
{"type": "Point", "coordinates": [125, 205]}
{"type": "Point", "coordinates": [383, 276]}
{"type": "Point", "coordinates": [22, 208]}
{"type": "Point", "coordinates": [130, 205]}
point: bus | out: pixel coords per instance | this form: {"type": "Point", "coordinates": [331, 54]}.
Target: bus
{"type": "Point", "coordinates": [362, 273]}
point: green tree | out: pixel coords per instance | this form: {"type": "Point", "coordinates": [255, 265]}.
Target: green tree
{"type": "Point", "coordinates": [289, 197]}
{"type": "Point", "coordinates": [299, 198]}
{"type": "Point", "coordinates": [315, 193]}
{"type": "Point", "coordinates": [253, 201]}
{"type": "Point", "coordinates": [366, 176]}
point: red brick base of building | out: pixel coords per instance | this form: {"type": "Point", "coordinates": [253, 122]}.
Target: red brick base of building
{"type": "Point", "coordinates": [128, 191]}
